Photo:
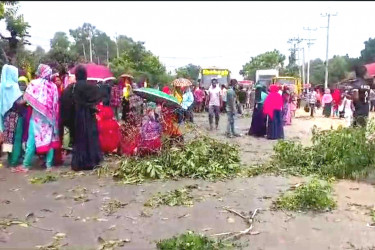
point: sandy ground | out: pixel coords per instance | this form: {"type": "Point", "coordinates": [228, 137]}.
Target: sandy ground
{"type": "Point", "coordinates": [54, 209]}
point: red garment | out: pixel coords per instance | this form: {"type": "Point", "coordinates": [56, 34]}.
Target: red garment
{"type": "Point", "coordinates": [166, 90]}
{"type": "Point", "coordinates": [109, 129]}
{"type": "Point", "coordinates": [336, 98]}
{"type": "Point", "coordinates": [130, 135]}
{"type": "Point", "coordinates": [273, 102]}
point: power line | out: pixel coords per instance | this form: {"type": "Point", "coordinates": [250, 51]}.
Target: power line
{"type": "Point", "coordinates": [328, 19]}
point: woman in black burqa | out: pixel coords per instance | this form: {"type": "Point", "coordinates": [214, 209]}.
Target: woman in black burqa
{"type": "Point", "coordinates": [86, 148]}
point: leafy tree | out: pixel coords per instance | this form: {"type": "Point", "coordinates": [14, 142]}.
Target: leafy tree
{"type": "Point", "coordinates": [268, 60]}
{"type": "Point", "coordinates": [189, 71]}
{"type": "Point", "coordinates": [60, 40]}
{"type": "Point", "coordinates": [17, 27]}
{"type": "Point", "coordinates": [317, 71]}
{"type": "Point", "coordinates": [81, 37]}
{"type": "Point", "coordinates": [338, 69]}
{"type": "Point", "coordinates": [368, 53]}
{"type": "Point", "coordinates": [292, 68]}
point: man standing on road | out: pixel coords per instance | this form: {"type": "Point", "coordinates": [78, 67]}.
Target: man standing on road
{"type": "Point", "coordinates": [361, 96]}
{"type": "Point", "coordinates": [223, 93]}
{"type": "Point", "coordinates": [312, 100]}
{"type": "Point", "coordinates": [214, 103]}
{"type": "Point", "coordinates": [231, 107]}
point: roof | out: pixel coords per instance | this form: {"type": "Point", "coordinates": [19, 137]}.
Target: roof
{"type": "Point", "coordinates": [370, 69]}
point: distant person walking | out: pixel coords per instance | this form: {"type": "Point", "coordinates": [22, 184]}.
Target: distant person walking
{"type": "Point", "coordinates": [214, 103]}
{"type": "Point", "coordinates": [312, 101]}
{"type": "Point", "coordinates": [231, 108]}
{"type": "Point", "coordinates": [327, 103]}
{"type": "Point", "coordinates": [273, 110]}
{"type": "Point", "coordinates": [372, 100]}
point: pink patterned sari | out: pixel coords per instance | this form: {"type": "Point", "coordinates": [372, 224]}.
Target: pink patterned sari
{"type": "Point", "coordinates": [42, 95]}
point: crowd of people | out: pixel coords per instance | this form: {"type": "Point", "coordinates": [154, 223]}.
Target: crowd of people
{"type": "Point", "coordinates": [353, 104]}
{"type": "Point", "coordinates": [34, 114]}
{"type": "Point", "coordinates": [107, 118]}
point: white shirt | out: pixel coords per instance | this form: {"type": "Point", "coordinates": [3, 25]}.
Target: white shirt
{"type": "Point", "coordinates": [223, 94]}
{"type": "Point", "coordinates": [214, 94]}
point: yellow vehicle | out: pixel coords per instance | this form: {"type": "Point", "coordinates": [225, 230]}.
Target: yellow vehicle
{"type": "Point", "coordinates": [293, 83]}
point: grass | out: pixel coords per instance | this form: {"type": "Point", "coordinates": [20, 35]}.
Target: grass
{"type": "Point", "coordinates": [177, 197]}
{"type": "Point", "coordinates": [112, 206]}
{"type": "Point", "coordinates": [193, 241]}
{"type": "Point", "coordinates": [315, 195]}
{"type": "Point", "coordinates": [41, 179]}
{"type": "Point", "coordinates": [345, 153]}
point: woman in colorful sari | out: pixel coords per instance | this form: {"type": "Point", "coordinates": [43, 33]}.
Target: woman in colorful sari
{"type": "Point", "coordinates": [43, 135]}
{"type": "Point", "coordinates": [336, 96]}
{"type": "Point", "coordinates": [11, 120]}
{"type": "Point", "coordinates": [151, 132]}
{"type": "Point", "coordinates": [273, 110]}
{"type": "Point", "coordinates": [86, 148]}
{"type": "Point", "coordinates": [58, 153]}
{"type": "Point", "coordinates": [258, 122]}
{"type": "Point", "coordinates": [287, 116]}
{"type": "Point", "coordinates": [327, 103]}
{"type": "Point", "coordinates": [127, 92]}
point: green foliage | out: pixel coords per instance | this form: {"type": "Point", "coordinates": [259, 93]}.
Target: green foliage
{"type": "Point", "coordinates": [368, 53]}
{"type": "Point", "coordinates": [339, 68]}
{"type": "Point", "coordinates": [341, 153]}
{"type": "Point", "coordinates": [189, 71]}
{"type": "Point", "coordinates": [111, 206]}
{"type": "Point", "coordinates": [267, 60]}
{"type": "Point", "coordinates": [192, 241]}
{"type": "Point", "coordinates": [177, 197]}
{"type": "Point", "coordinates": [292, 69]}
{"type": "Point", "coordinates": [202, 158]}
{"type": "Point", "coordinates": [43, 179]}
{"type": "Point", "coordinates": [60, 40]}
{"type": "Point", "coordinates": [314, 195]}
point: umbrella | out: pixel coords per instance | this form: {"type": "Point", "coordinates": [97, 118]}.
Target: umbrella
{"type": "Point", "coordinates": [126, 75]}
{"type": "Point", "coordinates": [96, 72]}
{"type": "Point", "coordinates": [157, 96]}
{"type": "Point", "coordinates": [181, 82]}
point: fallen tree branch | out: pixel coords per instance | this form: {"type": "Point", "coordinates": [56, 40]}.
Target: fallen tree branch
{"type": "Point", "coordinates": [249, 220]}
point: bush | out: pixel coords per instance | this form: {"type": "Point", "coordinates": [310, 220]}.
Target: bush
{"type": "Point", "coordinates": [341, 153]}
{"type": "Point", "coordinates": [202, 158]}
{"type": "Point", "coordinates": [314, 195]}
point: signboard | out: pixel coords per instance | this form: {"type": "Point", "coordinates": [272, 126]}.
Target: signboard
{"type": "Point", "coordinates": [222, 72]}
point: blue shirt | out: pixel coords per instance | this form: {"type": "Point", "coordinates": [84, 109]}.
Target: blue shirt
{"type": "Point", "coordinates": [187, 100]}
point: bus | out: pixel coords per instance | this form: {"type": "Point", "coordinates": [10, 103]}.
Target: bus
{"type": "Point", "coordinates": [207, 74]}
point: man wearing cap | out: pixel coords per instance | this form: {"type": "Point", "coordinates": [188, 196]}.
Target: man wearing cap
{"type": "Point", "coordinates": [214, 101]}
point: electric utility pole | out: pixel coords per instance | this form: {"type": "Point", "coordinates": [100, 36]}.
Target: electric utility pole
{"type": "Point", "coordinates": [309, 43]}
{"type": "Point", "coordinates": [90, 36]}
{"type": "Point", "coordinates": [295, 48]}
{"type": "Point", "coordinates": [118, 54]}
{"type": "Point", "coordinates": [328, 19]}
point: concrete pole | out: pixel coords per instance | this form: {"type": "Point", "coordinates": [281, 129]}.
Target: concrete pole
{"type": "Point", "coordinates": [326, 76]}
{"type": "Point", "coordinates": [90, 47]}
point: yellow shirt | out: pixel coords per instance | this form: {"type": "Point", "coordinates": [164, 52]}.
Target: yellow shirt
{"type": "Point", "coordinates": [178, 96]}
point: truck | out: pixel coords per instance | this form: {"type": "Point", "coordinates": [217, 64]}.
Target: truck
{"type": "Point", "coordinates": [293, 83]}
{"type": "Point", "coordinates": [264, 76]}
{"type": "Point", "coordinates": [207, 74]}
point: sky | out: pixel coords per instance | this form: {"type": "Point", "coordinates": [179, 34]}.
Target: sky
{"type": "Point", "coordinates": [224, 34]}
